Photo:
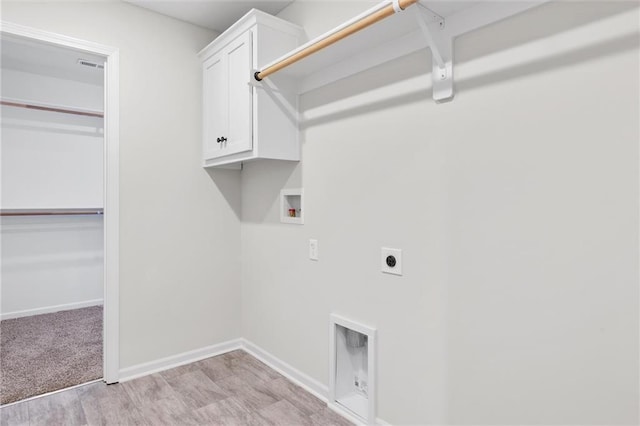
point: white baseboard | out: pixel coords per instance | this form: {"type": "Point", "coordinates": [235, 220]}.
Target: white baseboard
{"type": "Point", "coordinates": [173, 361]}
{"type": "Point", "coordinates": [51, 309]}
{"type": "Point", "coordinates": [298, 377]}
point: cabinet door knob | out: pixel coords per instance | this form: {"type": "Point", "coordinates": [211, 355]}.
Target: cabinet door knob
{"type": "Point", "coordinates": [219, 140]}
{"type": "Point", "coordinates": [223, 139]}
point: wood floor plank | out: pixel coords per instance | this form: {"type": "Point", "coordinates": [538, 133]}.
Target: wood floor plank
{"type": "Point", "coordinates": [148, 389]}
{"type": "Point", "coordinates": [228, 407]}
{"type": "Point", "coordinates": [238, 353]}
{"type": "Point", "coordinates": [14, 415]}
{"type": "Point", "coordinates": [301, 399]}
{"type": "Point", "coordinates": [283, 413]}
{"type": "Point", "coordinates": [62, 408]}
{"type": "Point", "coordinates": [178, 371]}
{"type": "Point", "coordinates": [249, 375]}
{"type": "Point", "coordinates": [196, 389]}
{"type": "Point", "coordinates": [247, 393]}
{"type": "Point", "coordinates": [216, 367]}
{"type": "Point", "coordinates": [169, 411]}
{"type": "Point", "coordinates": [108, 405]}
{"type": "Point", "coordinates": [252, 419]}
{"type": "Point", "coordinates": [257, 369]}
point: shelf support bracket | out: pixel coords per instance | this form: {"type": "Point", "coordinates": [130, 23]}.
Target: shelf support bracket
{"type": "Point", "coordinates": [441, 46]}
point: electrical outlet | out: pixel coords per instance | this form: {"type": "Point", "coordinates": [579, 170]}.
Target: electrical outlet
{"type": "Point", "coordinates": [391, 261]}
{"type": "Point", "coordinates": [313, 249]}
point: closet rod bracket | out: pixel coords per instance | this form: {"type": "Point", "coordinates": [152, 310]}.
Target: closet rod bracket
{"type": "Point", "coordinates": [440, 43]}
{"type": "Point", "coordinates": [259, 83]}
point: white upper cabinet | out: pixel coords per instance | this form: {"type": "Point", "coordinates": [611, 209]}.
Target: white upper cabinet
{"type": "Point", "coordinates": [228, 100]}
{"type": "Point", "coordinates": [244, 121]}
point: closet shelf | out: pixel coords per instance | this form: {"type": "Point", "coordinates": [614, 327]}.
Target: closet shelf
{"type": "Point", "coordinates": [17, 103]}
{"type": "Point", "coordinates": [420, 26]}
{"type": "Point", "coordinates": [51, 212]}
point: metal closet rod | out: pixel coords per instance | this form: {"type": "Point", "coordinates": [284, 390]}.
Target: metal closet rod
{"type": "Point", "coordinates": [51, 109]}
{"type": "Point", "coordinates": [50, 212]}
{"type": "Point", "coordinates": [363, 23]}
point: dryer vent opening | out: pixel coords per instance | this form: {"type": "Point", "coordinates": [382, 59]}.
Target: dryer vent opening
{"type": "Point", "coordinates": [352, 380]}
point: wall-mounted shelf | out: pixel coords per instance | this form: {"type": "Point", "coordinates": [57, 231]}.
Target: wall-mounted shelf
{"type": "Point", "coordinates": [418, 27]}
{"type": "Point", "coordinates": [292, 206]}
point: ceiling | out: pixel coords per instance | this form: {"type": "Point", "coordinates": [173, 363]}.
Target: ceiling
{"type": "Point", "coordinates": [39, 58]}
{"type": "Point", "coordinates": [449, 7]}
{"type": "Point", "coordinates": [217, 15]}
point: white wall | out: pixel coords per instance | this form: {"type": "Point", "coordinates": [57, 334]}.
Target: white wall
{"type": "Point", "coordinates": [50, 264]}
{"type": "Point", "coordinates": [48, 89]}
{"type": "Point", "coordinates": [50, 160]}
{"type": "Point", "coordinates": [516, 206]}
{"type": "Point", "coordinates": [179, 226]}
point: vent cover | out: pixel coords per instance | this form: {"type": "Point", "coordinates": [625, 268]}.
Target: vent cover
{"type": "Point", "coordinates": [90, 64]}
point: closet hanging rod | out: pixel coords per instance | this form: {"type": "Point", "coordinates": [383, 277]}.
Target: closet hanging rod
{"type": "Point", "coordinates": [51, 109]}
{"type": "Point", "coordinates": [50, 212]}
{"type": "Point", "coordinates": [390, 9]}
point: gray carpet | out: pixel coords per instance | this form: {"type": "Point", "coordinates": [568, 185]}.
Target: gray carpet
{"type": "Point", "coordinates": [44, 353]}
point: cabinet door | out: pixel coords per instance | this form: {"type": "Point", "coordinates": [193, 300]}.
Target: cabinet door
{"type": "Point", "coordinates": [239, 57]}
{"type": "Point", "coordinates": [215, 114]}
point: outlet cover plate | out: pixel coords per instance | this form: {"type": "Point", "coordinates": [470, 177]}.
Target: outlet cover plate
{"type": "Point", "coordinates": [313, 249]}
{"type": "Point", "coordinates": [397, 254]}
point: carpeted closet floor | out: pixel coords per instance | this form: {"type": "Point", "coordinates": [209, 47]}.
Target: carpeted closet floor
{"type": "Point", "coordinates": [44, 353]}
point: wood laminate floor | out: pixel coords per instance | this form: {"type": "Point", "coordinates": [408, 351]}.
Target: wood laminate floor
{"type": "Point", "coordinates": [230, 389]}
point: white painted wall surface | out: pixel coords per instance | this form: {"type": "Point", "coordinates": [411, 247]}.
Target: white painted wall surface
{"type": "Point", "coordinates": [50, 264]}
{"type": "Point", "coordinates": [516, 207]}
{"type": "Point", "coordinates": [50, 160]}
{"type": "Point", "coordinates": [26, 86]}
{"type": "Point", "coordinates": [179, 226]}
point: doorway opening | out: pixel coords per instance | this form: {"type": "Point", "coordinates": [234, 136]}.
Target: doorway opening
{"type": "Point", "coordinates": [59, 213]}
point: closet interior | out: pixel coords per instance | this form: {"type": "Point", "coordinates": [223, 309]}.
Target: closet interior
{"type": "Point", "coordinates": [51, 218]}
